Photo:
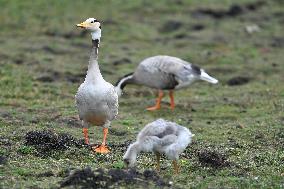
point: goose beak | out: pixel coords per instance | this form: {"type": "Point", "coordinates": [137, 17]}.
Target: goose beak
{"type": "Point", "coordinates": [82, 25]}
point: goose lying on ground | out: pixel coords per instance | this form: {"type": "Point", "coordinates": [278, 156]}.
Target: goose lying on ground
{"type": "Point", "coordinates": [160, 137]}
{"type": "Point", "coordinates": [164, 73]}
{"type": "Point", "coordinates": [96, 99]}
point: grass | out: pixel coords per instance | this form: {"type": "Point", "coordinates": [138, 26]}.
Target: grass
{"type": "Point", "coordinates": [244, 122]}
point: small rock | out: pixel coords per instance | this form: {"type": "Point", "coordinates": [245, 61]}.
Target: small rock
{"type": "Point", "coordinates": [252, 29]}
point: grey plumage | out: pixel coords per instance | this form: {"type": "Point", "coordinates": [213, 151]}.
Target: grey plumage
{"type": "Point", "coordinates": [164, 73]}
{"type": "Point", "coordinates": [162, 137]}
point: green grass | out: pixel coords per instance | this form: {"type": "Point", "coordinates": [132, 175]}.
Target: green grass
{"type": "Point", "coordinates": [132, 30]}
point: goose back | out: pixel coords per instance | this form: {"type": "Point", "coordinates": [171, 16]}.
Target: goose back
{"type": "Point", "coordinates": [165, 72]}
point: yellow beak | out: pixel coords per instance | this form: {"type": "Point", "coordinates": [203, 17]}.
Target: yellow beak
{"type": "Point", "coordinates": [82, 25]}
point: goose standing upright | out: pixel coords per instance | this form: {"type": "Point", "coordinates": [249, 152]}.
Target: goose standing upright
{"type": "Point", "coordinates": [164, 73]}
{"type": "Point", "coordinates": [96, 99]}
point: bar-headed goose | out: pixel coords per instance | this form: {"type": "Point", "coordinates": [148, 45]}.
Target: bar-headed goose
{"type": "Point", "coordinates": [96, 99]}
{"type": "Point", "coordinates": [164, 73]}
{"type": "Point", "coordinates": [160, 137]}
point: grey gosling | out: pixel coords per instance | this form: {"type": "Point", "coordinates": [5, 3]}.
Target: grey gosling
{"type": "Point", "coordinates": [160, 137]}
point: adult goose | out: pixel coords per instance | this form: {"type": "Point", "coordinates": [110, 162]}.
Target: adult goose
{"type": "Point", "coordinates": [96, 99]}
{"type": "Point", "coordinates": [164, 73]}
{"type": "Point", "coordinates": [160, 137]}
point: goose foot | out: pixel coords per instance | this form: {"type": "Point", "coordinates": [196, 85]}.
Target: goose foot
{"type": "Point", "coordinates": [153, 108]}
{"type": "Point", "coordinates": [158, 103]}
{"type": "Point", "coordinates": [101, 149]}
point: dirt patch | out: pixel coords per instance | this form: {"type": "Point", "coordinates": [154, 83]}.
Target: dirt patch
{"type": "Point", "coordinates": [54, 51]}
{"type": "Point", "coordinates": [220, 70]}
{"type": "Point", "coordinates": [277, 42]}
{"type": "Point", "coordinates": [139, 93]}
{"type": "Point", "coordinates": [4, 57]}
{"type": "Point", "coordinates": [120, 147]}
{"type": "Point", "coordinates": [3, 160]}
{"type": "Point", "coordinates": [46, 174]}
{"type": "Point", "coordinates": [66, 35]}
{"type": "Point", "coordinates": [280, 134]}
{"type": "Point", "coordinates": [122, 61]}
{"type": "Point", "coordinates": [117, 132]}
{"type": "Point", "coordinates": [49, 76]}
{"type": "Point", "coordinates": [213, 158]}
{"type": "Point", "coordinates": [99, 178]}
{"type": "Point", "coordinates": [5, 141]}
{"type": "Point", "coordinates": [180, 36]}
{"type": "Point", "coordinates": [46, 141]}
{"type": "Point", "coordinates": [233, 11]}
{"type": "Point", "coordinates": [74, 78]}
{"type": "Point", "coordinates": [4, 114]}
{"type": "Point", "coordinates": [52, 76]}
{"type": "Point", "coordinates": [71, 121]}
{"type": "Point", "coordinates": [170, 26]}
{"type": "Point", "coordinates": [239, 80]}
{"type": "Point", "coordinates": [197, 27]}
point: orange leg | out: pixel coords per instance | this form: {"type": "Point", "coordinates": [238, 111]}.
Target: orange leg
{"type": "Point", "coordinates": [171, 93]}
{"type": "Point", "coordinates": [158, 103]}
{"type": "Point", "coordinates": [102, 148]}
{"type": "Point", "coordinates": [85, 131]}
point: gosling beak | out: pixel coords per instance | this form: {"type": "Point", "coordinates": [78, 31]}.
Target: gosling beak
{"type": "Point", "coordinates": [82, 25]}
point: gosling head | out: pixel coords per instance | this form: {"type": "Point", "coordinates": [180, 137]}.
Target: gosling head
{"type": "Point", "coordinates": [130, 155]}
{"type": "Point", "coordinates": [92, 25]}
{"type": "Point", "coordinates": [129, 162]}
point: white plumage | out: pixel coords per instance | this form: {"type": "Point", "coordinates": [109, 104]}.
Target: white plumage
{"type": "Point", "coordinates": [96, 99]}
{"type": "Point", "coordinates": [160, 137]}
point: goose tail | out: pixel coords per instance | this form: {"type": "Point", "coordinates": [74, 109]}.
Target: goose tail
{"type": "Point", "coordinates": [122, 82]}
{"type": "Point", "coordinates": [204, 76]}
{"type": "Point", "coordinates": [184, 138]}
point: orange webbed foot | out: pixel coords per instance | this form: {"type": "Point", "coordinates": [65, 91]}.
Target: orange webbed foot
{"type": "Point", "coordinates": [153, 108]}
{"type": "Point", "coordinates": [101, 149]}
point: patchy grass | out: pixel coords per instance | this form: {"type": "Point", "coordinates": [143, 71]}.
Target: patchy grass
{"type": "Point", "coordinates": [238, 123]}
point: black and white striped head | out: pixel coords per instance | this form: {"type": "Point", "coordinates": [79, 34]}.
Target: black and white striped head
{"type": "Point", "coordinates": [93, 25]}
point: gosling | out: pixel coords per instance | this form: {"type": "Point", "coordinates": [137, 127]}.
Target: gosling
{"type": "Point", "coordinates": [160, 137]}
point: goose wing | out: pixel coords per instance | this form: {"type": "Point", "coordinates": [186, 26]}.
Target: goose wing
{"type": "Point", "coordinates": [163, 72]}
{"type": "Point", "coordinates": [112, 103]}
{"type": "Point", "coordinates": [159, 128]}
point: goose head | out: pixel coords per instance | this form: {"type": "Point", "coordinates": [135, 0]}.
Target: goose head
{"type": "Point", "coordinates": [130, 155]}
{"type": "Point", "coordinates": [92, 25]}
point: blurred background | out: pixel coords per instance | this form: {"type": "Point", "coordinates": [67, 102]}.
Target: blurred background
{"type": "Point", "coordinates": [44, 58]}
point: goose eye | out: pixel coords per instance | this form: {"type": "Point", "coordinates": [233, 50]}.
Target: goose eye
{"type": "Point", "coordinates": [126, 161]}
{"type": "Point", "coordinates": [92, 21]}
